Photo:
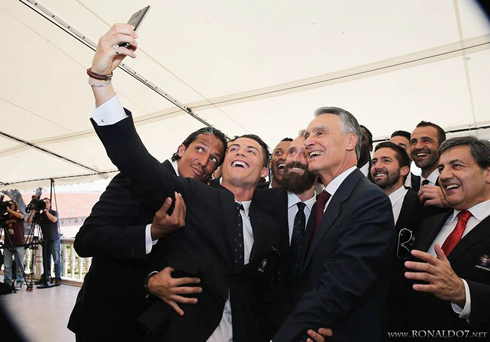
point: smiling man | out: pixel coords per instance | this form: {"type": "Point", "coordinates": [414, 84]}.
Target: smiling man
{"type": "Point", "coordinates": [390, 167]}
{"type": "Point", "coordinates": [349, 238]}
{"type": "Point", "coordinates": [291, 206]}
{"type": "Point", "coordinates": [119, 233]}
{"type": "Point", "coordinates": [424, 147]}
{"type": "Point", "coordinates": [278, 162]}
{"type": "Point", "coordinates": [452, 282]}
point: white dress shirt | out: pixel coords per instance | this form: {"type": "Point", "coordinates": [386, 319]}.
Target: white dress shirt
{"type": "Point", "coordinates": [336, 182]}
{"type": "Point", "coordinates": [396, 199]}
{"type": "Point", "coordinates": [111, 113]}
{"type": "Point", "coordinates": [293, 199]}
{"type": "Point", "coordinates": [478, 212]}
{"type": "Point", "coordinates": [365, 169]}
{"type": "Point", "coordinates": [432, 177]}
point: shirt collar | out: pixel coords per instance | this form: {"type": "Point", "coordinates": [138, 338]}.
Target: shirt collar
{"type": "Point", "coordinates": [479, 211]}
{"type": "Point", "coordinates": [293, 199]}
{"type": "Point", "coordinates": [396, 195]}
{"type": "Point", "coordinates": [176, 167]}
{"type": "Point", "coordinates": [365, 169]}
{"type": "Point", "coordinates": [432, 177]}
{"type": "Point", "coordinates": [246, 206]}
{"type": "Point", "coordinates": [337, 181]}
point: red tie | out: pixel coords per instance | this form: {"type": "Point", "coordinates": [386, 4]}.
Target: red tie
{"type": "Point", "coordinates": [320, 207]}
{"type": "Point", "coordinates": [455, 236]}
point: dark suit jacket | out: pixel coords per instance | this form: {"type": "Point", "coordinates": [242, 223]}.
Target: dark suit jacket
{"type": "Point", "coordinates": [274, 201]}
{"type": "Point", "coordinates": [343, 284]}
{"type": "Point", "coordinates": [112, 295]}
{"type": "Point", "coordinates": [415, 182]}
{"type": "Point", "coordinates": [466, 260]}
{"type": "Point", "coordinates": [410, 218]}
{"type": "Point", "coordinates": [431, 210]}
{"type": "Point", "coordinates": [203, 248]}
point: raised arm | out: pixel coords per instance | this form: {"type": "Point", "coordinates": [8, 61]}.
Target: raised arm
{"type": "Point", "coordinates": [151, 182]}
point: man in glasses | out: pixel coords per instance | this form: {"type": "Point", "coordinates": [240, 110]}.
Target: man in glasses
{"type": "Point", "coordinates": [389, 170]}
{"type": "Point", "coordinates": [452, 281]}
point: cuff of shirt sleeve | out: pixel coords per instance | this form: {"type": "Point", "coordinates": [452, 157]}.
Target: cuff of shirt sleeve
{"type": "Point", "coordinates": [464, 313]}
{"type": "Point", "coordinates": [149, 243]}
{"type": "Point", "coordinates": [109, 113]}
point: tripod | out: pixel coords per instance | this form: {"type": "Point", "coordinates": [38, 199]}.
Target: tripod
{"type": "Point", "coordinates": [33, 241]}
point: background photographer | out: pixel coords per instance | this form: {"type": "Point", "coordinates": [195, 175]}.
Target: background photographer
{"type": "Point", "coordinates": [14, 236]}
{"type": "Point", "coordinates": [48, 219]}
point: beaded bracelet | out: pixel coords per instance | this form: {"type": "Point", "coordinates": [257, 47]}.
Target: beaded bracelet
{"type": "Point", "coordinates": [99, 76]}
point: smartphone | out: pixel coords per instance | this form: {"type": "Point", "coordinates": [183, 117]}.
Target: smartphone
{"type": "Point", "coordinates": [136, 20]}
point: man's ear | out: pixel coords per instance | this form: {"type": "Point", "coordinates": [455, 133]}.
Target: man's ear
{"type": "Point", "coordinates": [487, 174]}
{"type": "Point", "coordinates": [181, 150]}
{"type": "Point", "coordinates": [352, 142]}
{"type": "Point", "coordinates": [404, 171]}
{"type": "Point", "coordinates": [264, 173]}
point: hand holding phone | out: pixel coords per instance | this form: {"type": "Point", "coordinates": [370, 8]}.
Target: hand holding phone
{"type": "Point", "coordinates": [136, 20]}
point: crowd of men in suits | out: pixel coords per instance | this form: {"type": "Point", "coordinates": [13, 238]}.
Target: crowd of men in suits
{"type": "Point", "coordinates": [337, 246]}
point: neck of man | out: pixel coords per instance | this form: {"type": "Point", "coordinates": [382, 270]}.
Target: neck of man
{"type": "Point", "coordinates": [330, 174]}
{"type": "Point", "coordinates": [388, 191]}
{"type": "Point", "coordinates": [362, 161]}
{"type": "Point", "coordinates": [426, 172]}
{"type": "Point", "coordinates": [242, 192]}
{"type": "Point", "coordinates": [304, 196]}
{"type": "Point", "coordinates": [275, 183]}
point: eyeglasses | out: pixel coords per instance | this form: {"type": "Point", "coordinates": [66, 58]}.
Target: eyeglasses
{"type": "Point", "coordinates": [405, 239]}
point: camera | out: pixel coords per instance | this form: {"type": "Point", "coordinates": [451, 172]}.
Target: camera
{"type": "Point", "coordinates": [3, 209]}
{"type": "Point", "coordinates": [36, 204]}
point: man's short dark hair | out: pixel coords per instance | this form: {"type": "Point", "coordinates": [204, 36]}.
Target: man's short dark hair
{"type": "Point", "coordinates": [400, 133]}
{"type": "Point", "coordinates": [479, 148]}
{"type": "Point", "coordinates": [265, 148]}
{"type": "Point", "coordinates": [369, 134]}
{"type": "Point", "coordinates": [401, 154]}
{"type": "Point", "coordinates": [206, 131]}
{"type": "Point", "coordinates": [286, 139]}
{"type": "Point", "coordinates": [348, 122]}
{"type": "Point", "coordinates": [441, 135]}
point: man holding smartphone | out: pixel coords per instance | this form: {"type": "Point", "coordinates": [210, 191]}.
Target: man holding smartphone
{"type": "Point", "coordinates": [109, 55]}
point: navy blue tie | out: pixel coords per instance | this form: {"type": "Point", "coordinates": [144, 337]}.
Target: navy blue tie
{"type": "Point", "coordinates": [239, 249]}
{"type": "Point", "coordinates": [297, 238]}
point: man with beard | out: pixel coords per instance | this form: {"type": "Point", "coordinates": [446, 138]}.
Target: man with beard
{"type": "Point", "coordinates": [291, 206]}
{"type": "Point", "coordinates": [424, 148]}
{"type": "Point", "coordinates": [402, 138]}
{"type": "Point", "coordinates": [278, 162]}
{"type": "Point", "coordinates": [390, 168]}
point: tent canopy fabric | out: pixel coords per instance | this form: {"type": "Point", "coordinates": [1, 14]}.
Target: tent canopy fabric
{"type": "Point", "coordinates": [243, 67]}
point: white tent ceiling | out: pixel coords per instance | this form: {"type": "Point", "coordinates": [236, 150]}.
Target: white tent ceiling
{"type": "Point", "coordinates": [243, 66]}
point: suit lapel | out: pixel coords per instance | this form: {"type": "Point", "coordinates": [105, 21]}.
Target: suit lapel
{"type": "Point", "coordinates": [258, 229]}
{"type": "Point", "coordinates": [415, 182]}
{"type": "Point", "coordinates": [332, 212]}
{"type": "Point", "coordinates": [280, 205]}
{"type": "Point", "coordinates": [229, 217]}
{"type": "Point", "coordinates": [477, 234]}
{"type": "Point", "coordinates": [407, 209]}
{"type": "Point", "coordinates": [428, 232]}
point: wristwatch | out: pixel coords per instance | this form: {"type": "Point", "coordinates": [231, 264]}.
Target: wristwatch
{"type": "Point", "coordinates": [147, 279]}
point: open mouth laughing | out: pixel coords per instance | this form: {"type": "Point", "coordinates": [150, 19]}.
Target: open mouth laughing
{"type": "Point", "coordinates": [239, 164]}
